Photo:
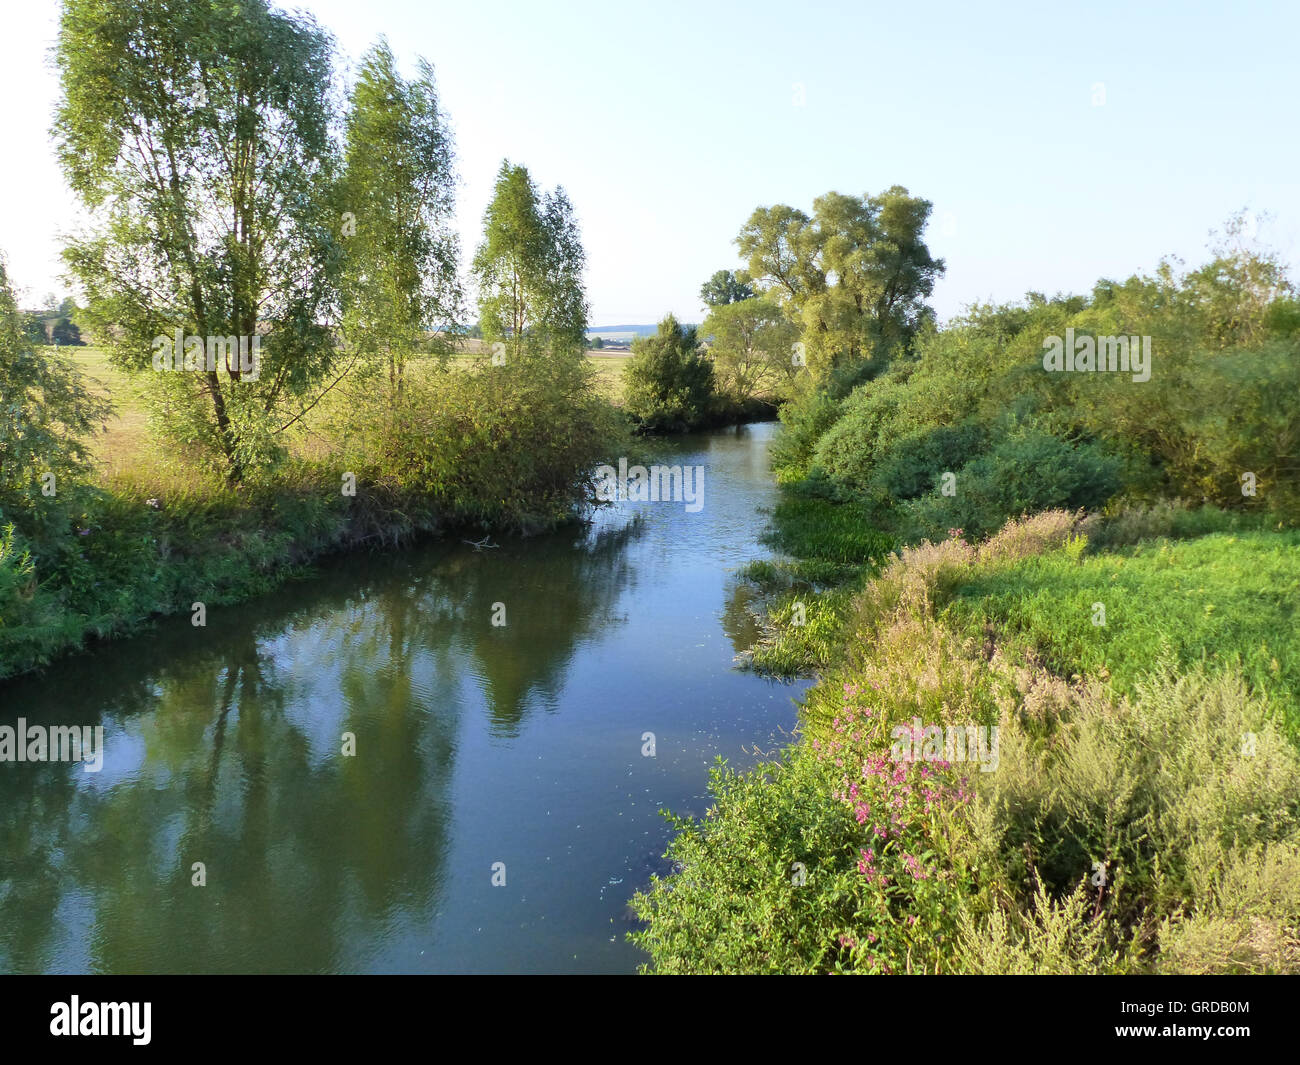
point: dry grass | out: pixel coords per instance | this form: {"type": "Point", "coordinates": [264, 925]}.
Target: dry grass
{"type": "Point", "coordinates": [129, 455]}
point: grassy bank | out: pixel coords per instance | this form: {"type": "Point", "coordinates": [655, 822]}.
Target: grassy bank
{"type": "Point", "coordinates": [153, 530]}
{"type": "Point", "coordinates": [130, 558]}
{"type": "Point", "coordinates": [987, 781]}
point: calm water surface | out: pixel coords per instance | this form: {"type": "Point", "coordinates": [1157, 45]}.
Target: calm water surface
{"type": "Point", "coordinates": [475, 744]}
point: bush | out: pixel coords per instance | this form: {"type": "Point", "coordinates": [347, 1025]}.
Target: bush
{"type": "Point", "coordinates": [1159, 791]}
{"type": "Point", "coordinates": [849, 451]}
{"type": "Point", "coordinates": [803, 420]}
{"type": "Point", "coordinates": [498, 446]}
{"type": "Point", "coordinates": [1170, 519]}
{"type": "Point", "coordinates": [668, 383]}
{"type": "Point", "coordinates": [781, 877]}
{"type": "Point", "coordinates": [911, 466]}
{"type": "Point", "coordinates": [1024, 474]}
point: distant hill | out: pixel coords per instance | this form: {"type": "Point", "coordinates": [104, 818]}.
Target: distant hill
{"type": "Point", "coordinates": [626, 330]}
{"type": "Point", "coordinates": [621, 330]}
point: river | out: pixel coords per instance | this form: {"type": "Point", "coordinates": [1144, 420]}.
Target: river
{"type": "Point", "coordinates": [499, 803]}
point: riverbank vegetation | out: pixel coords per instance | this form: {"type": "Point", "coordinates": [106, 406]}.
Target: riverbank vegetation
{"type": "Point", "coordinates": [1136, 810]}
{"type": "Point", "coordinates": [1053, 620]}
{"type": "Point", "coordinates": [270, 270]}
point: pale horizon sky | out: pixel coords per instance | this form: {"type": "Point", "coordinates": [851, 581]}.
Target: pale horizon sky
{"type": "Point", "coordinates": [669, 123]}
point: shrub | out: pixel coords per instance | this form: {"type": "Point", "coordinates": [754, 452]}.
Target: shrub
{"type": "Point", "coordinates": [1161, 792]}
{"type": "Point", "coordinates": [1026, 473]}
{"type": "Point", "coordinates": [780, 877]}
{"type": "Point", "coordinates": [1164, 518]}
{"type": "Point", "coordinates": [911, 466]}
{"type": "Point", "coordinates": [668, 383]}
{"type": "Point", "coordinates": [1248, 924]}
{"type": "Point", "coordinates": [803, 420]}
{"type": "Point", "coordinates": [849, 451]}
{"type": "Point", "coordinates": [1047, 936]}
{"type": "Point", "coordinates": [509, 447]}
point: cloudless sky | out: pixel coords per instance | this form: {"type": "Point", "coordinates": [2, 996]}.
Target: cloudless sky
{"type": "Point", "coordinates": [669, 122]}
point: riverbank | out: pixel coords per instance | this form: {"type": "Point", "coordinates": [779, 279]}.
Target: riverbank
{"type": "Point", "coordinates": [133, 560]}
{"type": "Point", "coordinates": [1069, 748]}
{"type": "Point", "coordinates": [158, 532]}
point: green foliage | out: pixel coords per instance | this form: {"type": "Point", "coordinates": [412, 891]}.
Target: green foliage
{"type": "Point", "coordinates": [912, 465]}
{"type": "Point", "coordinates": [834, 548]}
{"type": "Point", "coordinates": [669, 384]}
{"type": "Point", "coordinates": [726, 287]}
{"type": "Point", "coordinates": [809, 414]}
{"type": "Point", "coordinates": [751, 343]}
{"type": "Point", "coordinates": [34, 331]}
{"type": "Point", "coordinates": [66, 332]}
{"type": "Point", "coordinates": [872, 420]}
{"type": "Point", "coordinates": [197, 138]}
{"type": "Point", "coordinates": [803, 632]}
{"type": "Point", "coordinates": [1148, 824]}
{"type": "Point", "coordinates": [200, 138]}
{"type": "Point", "coordinates": [1226, 600]}
{"type": "Point", "coordinates": [1025, 473]}
{"type": "Point", "coordinates": [1126, 525]}
{"type": "Point", "coordinates": [47, 416]}
{"type": "Point", "coordinates": [496, 446]}
{"type": "Point", "coordinates": [1214, 423]}
{"type": "Point", "coordinates": [855, 275]}
{"type": "Point", "coordinates": [32, 627]}
{"type": "Point", "coordinates": [1159, 792]}
{"type": "Point", "coordinates": [811, 528]}
{"type": "Point", "coordinates": [528, 270]}
{"type": "Point", "coordinates": [769, 880]}
{"type": "Point", "coordinates": [399, 276]}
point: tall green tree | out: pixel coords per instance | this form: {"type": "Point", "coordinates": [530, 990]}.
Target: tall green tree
{"type": "Point", "coordinates": [197, 135]}
{"type": "Point", "coordinates": [528, 270]}
{"type": "Point", "coordinates": [751, 342]}
{"type": "Point", "coordinates": [400, 265]}
{"type": "Point", "coordinates": [855, 275]}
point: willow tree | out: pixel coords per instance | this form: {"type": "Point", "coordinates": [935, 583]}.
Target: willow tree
{"type": "Point", "coordinates": [400, 265]}
{"type": "Point", "coordinates": [196, 134]}
{"type": "Point", "coordinates": [855, 274]}
{"type": "Point", "coordinates": [528, 270]}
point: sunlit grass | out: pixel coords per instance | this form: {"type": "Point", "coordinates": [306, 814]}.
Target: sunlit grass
{"type": "Point", "coordinates": [1227, 600]}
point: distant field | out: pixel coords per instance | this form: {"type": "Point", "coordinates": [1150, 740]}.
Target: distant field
{"type": "Point", "coordinates": [125, 447]}
{"type": "Point", "coordinates": [125, 442]}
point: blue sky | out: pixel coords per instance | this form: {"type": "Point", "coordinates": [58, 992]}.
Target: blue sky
{"type": "Point", "coordinates": [669, 122]}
